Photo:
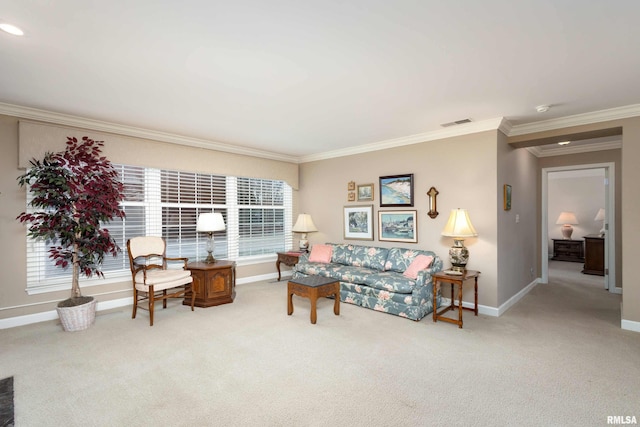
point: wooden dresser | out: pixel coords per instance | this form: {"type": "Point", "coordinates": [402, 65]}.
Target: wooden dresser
{"type": "Point", "coordinates": [568, 250]}
{"type": "Point", "coordinates": [594, 255]}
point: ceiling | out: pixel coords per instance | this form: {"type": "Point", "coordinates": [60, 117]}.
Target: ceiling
{"type": "Point", "coordinates": [300, 78]}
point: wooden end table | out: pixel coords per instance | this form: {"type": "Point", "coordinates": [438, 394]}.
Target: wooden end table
{"type": "Point", "coordinates": [287, 258]}
{"type": "Point", "coordinates": [313, 287]}
{"type": "Point", "coordinates": [442, 277]}
{"type": "Point", "coordinates": [214, 283]}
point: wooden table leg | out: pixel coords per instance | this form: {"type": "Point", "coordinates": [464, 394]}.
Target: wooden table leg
{"type": "Point", "coordinates": [313, 296]}
{"type": "Point", "coordinates": [435, 300]}
{"type": "Point", "coordinates": [278, 267]}
{"type": "Point", "coordinates": [336, 303]}
{"type": "Point", "coordinates": [290, 302]}
{"type": "Point", "coordinates": [475, 289]}
{"type": "Point", "coordinates": [459, 305]}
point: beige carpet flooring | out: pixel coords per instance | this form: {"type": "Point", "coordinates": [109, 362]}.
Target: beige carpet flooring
{"type": "Point", "coordinates": [557, 358]}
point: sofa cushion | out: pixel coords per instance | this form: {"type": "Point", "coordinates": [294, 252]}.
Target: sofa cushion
{"type": "Point", "coordinates": [392, 282]}
{"type": "Point", "coordinates": [399, 259]}
{"type": "Point", "coordinates": [341, 254]}
{"type": "Point", "coordinates": [369, 257]}
{"type": "Point", "coordinates": [419, 263]}
{"type": "Point", "coordinates": [321, 253]}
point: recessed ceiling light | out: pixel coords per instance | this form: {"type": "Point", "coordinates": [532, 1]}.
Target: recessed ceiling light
{"type": "Point", "coordinates": [11, 29]}
{"type": "Point", "coordinates": [564, 142]}
{"type": "Point", "coordinates": [542, 108]}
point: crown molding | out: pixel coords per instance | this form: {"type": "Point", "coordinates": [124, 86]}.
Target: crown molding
{"type": "Point", "coordinates": [464, 129]}
{"type": "Point", "coordinates": [577, 120]}
{"type": "Point", "coordinates": [114, 128]}
{"type": "Point", "coordinates": [560, 151]}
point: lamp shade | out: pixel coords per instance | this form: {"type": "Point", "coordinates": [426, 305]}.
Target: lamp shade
{"type": "Point", "coordinates": [208, 222]}
{"type": "Point", "coordinates": [459, 225]}
{"type": "Point", "coordinates": [599, 215]}
{"type": "Point", "coordinates": [567, 218]}
{"type": "Point", "coordinates": [304, 224]}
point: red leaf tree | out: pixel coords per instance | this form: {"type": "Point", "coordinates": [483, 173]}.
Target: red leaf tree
{"type": "Point", "coordinates": [75, 192]}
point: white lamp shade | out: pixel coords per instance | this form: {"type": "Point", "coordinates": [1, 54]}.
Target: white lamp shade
{"type": "Point", "coordinates": [304, 224]}
{"type": "Point", "coordinates": [208, 222]}
{"type": "Point", "coordinates": [567, 218]}
{"type": "Point", "coordinates": [459, 225]}
{"type": "Point", "coordinates": [599, 215]}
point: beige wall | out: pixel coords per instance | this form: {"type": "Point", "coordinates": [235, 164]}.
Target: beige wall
{"type": "Point", "coordinates": [517, 248]}
{"type": "Point", "coordinates": [37, 137]}
{"type": "Point", "coordinates": [462, 169]}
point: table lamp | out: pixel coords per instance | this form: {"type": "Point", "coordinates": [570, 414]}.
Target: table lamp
{"type": "Point", "coordinates": [208, 223]}
{"type": "Point", "coordinates": [304, 225]}
{"type": "Point", "coordinates": [459, 226]}
{"type": "Point", "coordinates": [567, 219]}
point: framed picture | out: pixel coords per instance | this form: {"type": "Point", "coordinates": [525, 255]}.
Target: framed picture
{"type": "Point", "coordinates": [507, 197]}
{"type": "Point", "coordinates": [396, 190]}
{"type": "Point", "coordinates": [398, 226]}
{"type": "Point", "coordinates": [351, 196]}
{"type": "Point", "coordinates": [358, 222]}
{"type": "Point", "coordinates": [365, 193]}
{"type": "Point", "coordinates": [351, 186]}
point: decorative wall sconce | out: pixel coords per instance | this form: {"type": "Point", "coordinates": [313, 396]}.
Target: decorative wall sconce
{"type": "Point", "coordinates": [433, 210]}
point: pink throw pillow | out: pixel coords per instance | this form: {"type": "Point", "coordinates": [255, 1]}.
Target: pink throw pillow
{"type": "Point", "coordinates": [320, 253]}
{"type": "Point", "coordinates": [420, 263]}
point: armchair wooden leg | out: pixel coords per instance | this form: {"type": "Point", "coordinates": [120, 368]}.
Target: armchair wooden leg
{"type": "Point", "coordinates": [164, 299]}
{"type": "Point", "coordinates": [135, 303]}
{"type": "Point", "coordinates": [151, 304]}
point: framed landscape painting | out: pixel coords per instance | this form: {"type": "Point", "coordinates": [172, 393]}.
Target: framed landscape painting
{"type": "Point", "coordinates": [396, 190]}
{"type": "Point", "coordinates": [398, 226]}
{"type": "Point", "coordinates": [358, 222]}
{"type": "Point", "coordinates": [365, 193]}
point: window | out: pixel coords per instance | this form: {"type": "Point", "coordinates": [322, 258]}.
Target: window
{"type": "Point", "coordinates": [166, 203]}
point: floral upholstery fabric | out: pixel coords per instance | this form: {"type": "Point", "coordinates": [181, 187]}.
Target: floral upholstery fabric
{"type": "Point", "coordinates": [363, 281]}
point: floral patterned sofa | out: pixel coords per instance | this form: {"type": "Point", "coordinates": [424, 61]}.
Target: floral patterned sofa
{"type": "Point", "coordinates": [377, 278]}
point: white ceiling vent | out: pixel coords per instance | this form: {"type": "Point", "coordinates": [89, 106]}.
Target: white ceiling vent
{"type": "Point", "coordinates": [457, 122]}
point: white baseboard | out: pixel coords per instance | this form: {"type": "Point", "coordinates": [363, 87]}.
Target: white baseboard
{"type": "Point", "coordinates": [493, 311]}
{"type": "Point", "coordinates": [630, 325]}
{"type": "Point", "coordinates": [517, 297]}
{"type": "Point", "coordinates": [45, 316]}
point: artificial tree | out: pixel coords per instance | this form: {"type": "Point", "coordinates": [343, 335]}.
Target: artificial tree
{"type": "Point", "coordinates": [75, 192]}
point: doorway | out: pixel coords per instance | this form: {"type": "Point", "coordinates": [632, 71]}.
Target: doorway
{"type": "Point", "coordinates": [608, 172]}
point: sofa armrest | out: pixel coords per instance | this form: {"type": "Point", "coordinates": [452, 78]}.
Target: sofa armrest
{"type": "Point", "coordinates": [304, 257]}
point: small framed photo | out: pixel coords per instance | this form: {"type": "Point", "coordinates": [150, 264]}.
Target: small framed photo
{"type": "Point", "coordinates": [351, 186]}
{"type": "Point", "coordinates": [351, 197]}
{"type": "Point", "coordinates": [396, 190]}
{"type": "Point", "coordinates": [358, 222]}
{"type": "Point", "coordinates": [398, 226]}
{"type": "Point", "coordinates": [507, 197]}
{"type": "Point", "coordinates": [365, 193]}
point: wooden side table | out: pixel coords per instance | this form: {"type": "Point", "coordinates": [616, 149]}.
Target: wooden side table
{"type": "Point", "coordinates": [442, 277]}
{"type": "Point", "coordinates": [287, 258]}
{"type": "Point", "coordinates": [313, 287]}
{"type": "Point", "coordinates": [214, 283]}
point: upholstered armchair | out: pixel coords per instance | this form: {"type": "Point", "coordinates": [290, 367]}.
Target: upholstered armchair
{"type": "Point", "coordinates": [152, 275]}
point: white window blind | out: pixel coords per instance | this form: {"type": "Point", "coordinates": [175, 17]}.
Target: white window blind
{"type": "Point", "coordinates": [257, 214]}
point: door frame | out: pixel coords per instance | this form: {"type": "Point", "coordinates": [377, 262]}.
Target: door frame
{"type": "Point", "coordinates": [610, 226]}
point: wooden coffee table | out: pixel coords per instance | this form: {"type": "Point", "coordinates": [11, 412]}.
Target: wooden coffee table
{"type": "Point", "coordinates": [313, 287]}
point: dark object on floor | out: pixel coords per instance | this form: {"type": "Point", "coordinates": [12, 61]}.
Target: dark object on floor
{"type": "Point", "coordinates": [6, 402]}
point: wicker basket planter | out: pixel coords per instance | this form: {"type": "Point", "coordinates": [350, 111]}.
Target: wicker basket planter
{"type": "Point", "coordinates": [77, 317]}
